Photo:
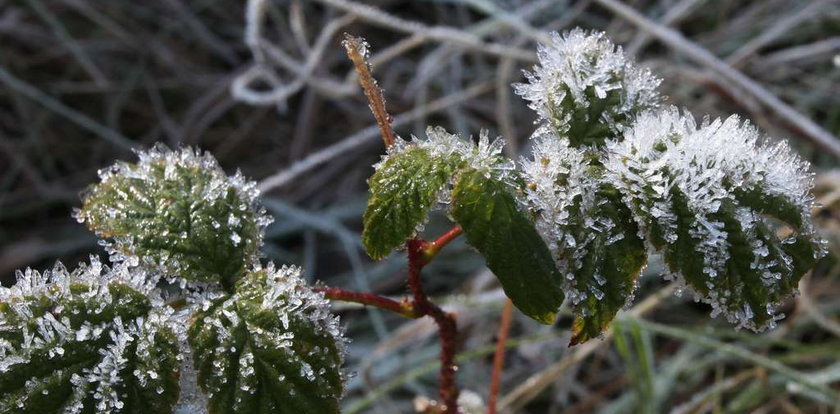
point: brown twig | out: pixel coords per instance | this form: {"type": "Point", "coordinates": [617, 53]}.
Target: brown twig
{"type": "Point", "coordinates": [404, 307]}
{"type": "Point", "coordinates": [447, 326]}
{"type": "Point", "coordinates": [357, 51]}
{"type": "Point", "coordinates": [499, 357]}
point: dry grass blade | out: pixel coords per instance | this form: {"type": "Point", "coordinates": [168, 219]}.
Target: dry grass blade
{"type": "Point", "coordinates": [533, 386]}
{"type": "Point", "coordinates": [674, 39]}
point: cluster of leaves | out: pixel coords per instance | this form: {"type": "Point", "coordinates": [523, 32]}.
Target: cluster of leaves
{"type": "Point", "coordinates": [612, 178]}
{"type": "Point", "coordinates": [105, 339]}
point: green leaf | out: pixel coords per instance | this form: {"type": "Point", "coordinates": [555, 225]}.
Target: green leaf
{"type": "Point", "coordinates": [402, 190]}
{"type": "Point", "coordinates": [610, 264]}
{"type": "Point", "coordinates": [487, 211]}
{"type": "Point", "coordinates": [85, 341]}
{"type": "Point", "coordinates": [178, 211]}
{"type": "Point", "coordinates": [759, 269]}
{"type": "Point", "coordinates": [715, 199]}
{"type": "Point", "coordinates": [584, 125]}
{"type": "Point", "coordinates": [272, 346]}
{"type": "Point", "coordinates": [586, 90]}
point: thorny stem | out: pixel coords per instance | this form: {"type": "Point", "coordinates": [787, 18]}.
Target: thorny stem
{"type": "Point", "coordinates": [499, 357]}
{"type": "Point", "coordinates": [420, 252]}
{"type": "Point", "coordinates": [447, 327]}
{"type": "Point", "coordinates": [357, 52]}
{"type": "Point", "coordinates": [404, 307]}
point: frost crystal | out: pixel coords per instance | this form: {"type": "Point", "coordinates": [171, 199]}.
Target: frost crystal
{"type": "Point", "coordinates": [443, 147]}
{"type": "Point", "coordinates": [273, 320]}
{"type": "Point", "coordinates": [177, 211]}
{"type": "Point", "coordinates": [589, 232]}
{"type": "Point", "coordinates": [558, 186]}
{"type": "Point", "coordinates": [94, 328]}
{"type": "Point", "coordinates": [702, 194]}
{"type": "Point", "coordinates": [585, 88]}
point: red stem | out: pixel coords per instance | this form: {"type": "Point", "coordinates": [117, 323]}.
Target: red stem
{"type": "Point", "coordinates": [404, 308]}
{"type": "Point", "coordinates": [447, 326]}
{"type": "Point", "coordinates": [499, 357]}
{"type": "Point", "coordinates": [420, 252]}
{"type": "Point", "coordinates": [431, 249]}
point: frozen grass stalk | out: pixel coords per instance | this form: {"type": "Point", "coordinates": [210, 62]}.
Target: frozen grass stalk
{"type": "Point", "coordinates": [188, 318]}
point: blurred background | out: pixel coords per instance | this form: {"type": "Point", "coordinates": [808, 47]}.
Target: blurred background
{"type": "Point", "coordinates": [266, 87]}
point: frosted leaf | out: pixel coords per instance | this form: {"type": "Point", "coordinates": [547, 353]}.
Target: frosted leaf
{"type": "Point", "coordinates": [90, 340]}
{"type": "Point", "coordinates": [591, 234]}
{"type": "Point", "coordinates": [270, 346]}
{"type": "Point", "coordinates": [178, 212]}
{"type": "Point", "coordinates": [416, 176]}
{"type": "Point", "coordinates": [586, 89]}
{"type": "Point", "coordinates": [702, 194]}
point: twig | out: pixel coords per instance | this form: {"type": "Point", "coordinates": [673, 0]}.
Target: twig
{"type": "Point", "coordinates": [499, 357]}
{"type": "Point", "coordinates": [71, 114]}
{"type": "Point", "coordinates": [72, 46]}
{"type": "Point", "coordinates": [261, 51]}
{"type": "Point", "coordinates": [439, 33]}
{"type": "Point", "coordinates": [674, 39]}
{"type": "Point", "coordinates": [357, 51]}
{"type": "Point", "coordinates": [404, 307]}
{"type": "Point", "coordinates": [813, 51]}
{"type": "Point", "coordinates": [534, 385]}
{"type": "Point", "coordinates": [362, 137]}
{"type": "Point", "coordinates": [673, 15]}
{"type": "Point", "coordinates": [783, 26]}
{"type": "Point", "coordinates": [431, 249]}
{"type": "Point", "coordinates": [447, 326]}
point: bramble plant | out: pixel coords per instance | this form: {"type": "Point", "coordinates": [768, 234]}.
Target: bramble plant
{"type": "Point", "coordinates": [186, 317]}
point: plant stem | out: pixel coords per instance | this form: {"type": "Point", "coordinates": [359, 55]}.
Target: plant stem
{"type": "Point", "coordinates": [499, 357]}
{"type": "Point", "coordinates": [431, 249]}
{"type": "Point", "coordinates": [447, 326]}
{"type": "Point", "coordinates": [358, 53]}
{"type": "Point", "coordinates": [404, 307]}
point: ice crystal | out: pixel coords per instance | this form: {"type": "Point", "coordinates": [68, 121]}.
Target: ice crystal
{"type": "Point", "coordinates": [702, 194]}
{"type": "Point", "coordinates": [485, 155]}
{"type": "Point", "coordinates": [177, 211]}
{"type": "Point", "coordinates": [558, 183]}
{"type": "Point", "coordinates": [585, 88]}
{"type": "Point", "coordinates": [273, 320]}
{"type": "Point", "coordinates": [95, 328]}
{"type": "Point", "coordinates": [418, 175]}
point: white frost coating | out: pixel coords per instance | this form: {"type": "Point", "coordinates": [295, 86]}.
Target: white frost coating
{"type": "Point", "coordinates": [562, 193]}
{"type": "Point", "coordinates": [288, 294]}
{"type": "Point", "coordinates": [56, 283]}
{"type": "Point", "coordinates": [281, 292]}
{"type": "Point", "coordinates": [553, 160]}
{"type": "Point", "coordinates": [54, 331]}
{"type": "Point", "coordinates": [486, 155]}
{"type": "Point", "coordinates": [708, 163]}
{"type": "Point", "coordinates": [174, 163]}
{"type": "Point", "coordinates": [585, 67]}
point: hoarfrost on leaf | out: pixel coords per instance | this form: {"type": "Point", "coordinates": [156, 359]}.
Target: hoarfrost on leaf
{"type": "Point", "coordinates": [590, 233]}
{"type": "Point", "coordinates": [259, 349]}
{"type": "Point", "coordinates": [585, 89]}
{"type": "Point", "coordinates": [703, 195]}
{"type": "Point", "coordinates": [177, 211]}
{"type": "Point", "coordinates": [84, 341]}
{"type": "Point", "coordinates": [417, 175]}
